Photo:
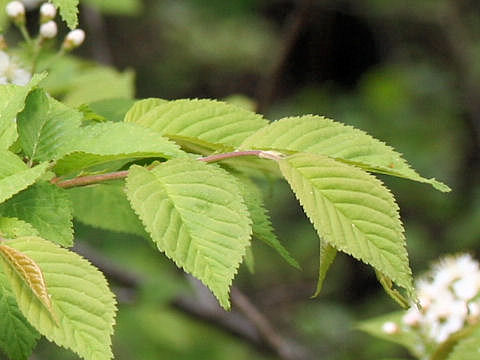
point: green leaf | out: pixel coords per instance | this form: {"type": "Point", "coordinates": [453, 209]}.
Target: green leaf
{"type": "Point", "coordinates": [467, 348]}
{"type": "Point", "coordinates": [46, 207]}
{"type": "Point", "coordinates": [195, 214]}
{"type": "Point", "coordinates": [206, 122]}
{"type": "Point", "coordinates": [112, 109]}
{"type": "Point", "coordinates": [261, 223]}
{"type": "Point", "coordinates": [250, 260]}
{"type": "Point", "coordinates": [68, 11]}
{"type": "Point", "coordinates": [18, 264]}
{"type": "Point", "coordinates": [408, 339]}
{"type": "Point", "coordinates": [352, 211]}
{"type": "Point", "coordinates": [322, 136]}
{"type": "Point", "coordinates": [108, 83]}
{"type": "Point", "coordinates": [15, 176]}
{"type": "Point", "coordinates": [11, 228]}
{"type": "Point", "coordinates": [10, 164]}
{"type": "Point", "coordinates": [105, 206]}
{"type": "Point", "coordinates": [81, 299]}
{"type": "Point", "coordinates": [17, 337]}
{"type": "Point", "coordinates": [327, 256]}
{"type": "Point", "coordinates": [12, 101]}
{"type": "Point", "coordinates": [106, 142]}
{"type": "Point", "coordinates": [141, 108]}
{"type": "Point", "coordinates": [46, 127]}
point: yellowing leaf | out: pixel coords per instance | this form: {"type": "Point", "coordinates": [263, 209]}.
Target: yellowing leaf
{"type": "Point", "coordinates": [30, 273]}
{"type": "Point", "coordinates": [80, 297]}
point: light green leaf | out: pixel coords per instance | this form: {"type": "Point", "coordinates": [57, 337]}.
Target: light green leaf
{"type": "Point", "coordinates": [105, 206]}
{"type": "Point", "coordinates": [195, 213]}
{"type": "Point", "coordinates": [11, 228]}
{"type": "Point", "coordinates": [15, 176]}
{"type": "Point", "coordinates": [18, 264]}
{"type": "Point", "coordinates": [108, 83]}
{"type": "Point", "coordinates": [68, 11]}
{"type": "Point", "coordinates": [408, 339]}
{"type": "Point", "coordinates": [46, 207]}
{"type": "Point", "coordinates": [81, 299]}
{"type": "Point", "coordinates": [262, 225]}
{"type": "Point", "coordinates": [10, 164]}
{"type": "Point", "coordinates": [112, 109]}
{"type": "Point", "coordinates": [467, 348]}
{"type": "Point", "coordinates": [17, 336]}
{"type": "Point", "coordinates": [106, 142]}
{"type": "Point", "coordinates": [46, 127]}
{"type": "Point", "coordinates": [352, 211]}
{"type": "Point", "coordinates": [141, 108]}
{"type": "Point", "coordinates": [250, 260]}
{"type": "Point", "coordinates": [206, 122]}
{"type": "Point", "coordinates": [322, 136]}
{"type": "Point", "coordinates": [327, 256]}
{"type": "Point", "coordinates": [12, 101]}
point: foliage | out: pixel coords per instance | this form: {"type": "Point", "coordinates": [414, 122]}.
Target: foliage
{"type": "Point", "coordinates": [194, 211]}
{"type": "Point", "coordinates": [184, 174]}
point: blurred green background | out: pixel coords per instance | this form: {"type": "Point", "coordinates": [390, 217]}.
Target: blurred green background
{"type": "Point", "coordinates": [407, 72]}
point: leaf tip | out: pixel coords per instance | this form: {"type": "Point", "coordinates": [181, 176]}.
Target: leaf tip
{"type": "Point", "coordinates": [439, 185]}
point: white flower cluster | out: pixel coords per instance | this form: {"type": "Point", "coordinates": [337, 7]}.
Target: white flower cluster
{"type": "Point", "coordinates": [10, 72]}
{"type": "Point", "coordinates": [448, 300]}
{"type": "Point", "coordinates": [48, 27]}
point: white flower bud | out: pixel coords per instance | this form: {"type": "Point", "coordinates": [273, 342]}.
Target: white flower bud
{"type": "Point", "coordinates": [15, 10]}
{"type": "Point", "coordinates": [47, 12]}
{"type": "Point", "coordinates": [390, 328]}
{"type": "Point", "coordinates": [74, 39]}
{"type": "Point", "coordinates": [48, 30]}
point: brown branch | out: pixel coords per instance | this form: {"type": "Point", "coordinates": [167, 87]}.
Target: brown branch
{"type": "Point", "coordinates": [97, 35]}
{"type": "Point", "coordinates": [293, 30]}
{"type": "Point", "coordinates": [95, 179]}
{"type": "Point", "coordinates": [244, 321]}
{"type": "Point", "coordinates": [88, 180]}
{"type": "Point", "coordinates": [284, 348]}
{"type": "Point", "coordinates": [114, 271]}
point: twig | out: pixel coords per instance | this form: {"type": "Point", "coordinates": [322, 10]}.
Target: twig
{"type": "Point", "coordinates": [126, 282]}
{"type": "Point", "coordinates": [96, 26]}
{"type": "Point", "coordinates": [244, 321]}
{"type": "Point", "coordinates": [114, 271]}
{"type": "Point", "coordinates": [203, 305]}
{"type": "Point", "coordinates": [88, 180]}
{"type": "Point", "coordinates": [284, 348]}
{"type": "Point", "coordinates": [293, 30]}
{"type": "Point", "coordinates": [95, 179]}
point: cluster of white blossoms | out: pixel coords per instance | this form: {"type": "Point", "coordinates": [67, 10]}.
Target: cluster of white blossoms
{"type": "Point", "coordinates": [448, 301]}
{"type": "Point", "coordinates": [10, 71]}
